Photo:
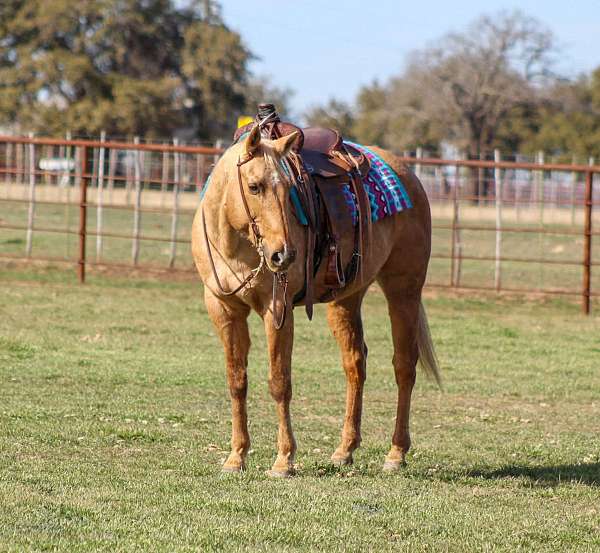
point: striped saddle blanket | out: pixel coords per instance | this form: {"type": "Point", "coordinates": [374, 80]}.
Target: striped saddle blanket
{"type": "Point", "coordinates": [387, 194]}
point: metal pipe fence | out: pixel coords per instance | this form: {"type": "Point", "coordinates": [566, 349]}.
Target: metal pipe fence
{"type": "Point", "coordinates": [497, 225]}
{"type": "Point", "coordinates": [546, 208]}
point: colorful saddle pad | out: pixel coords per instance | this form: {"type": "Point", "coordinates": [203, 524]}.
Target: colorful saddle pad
{"type": "Point", "coordinates": [387, 194]}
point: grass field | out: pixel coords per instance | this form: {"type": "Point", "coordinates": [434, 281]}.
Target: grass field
{"type": "Point", "coordinates": [115, 419]}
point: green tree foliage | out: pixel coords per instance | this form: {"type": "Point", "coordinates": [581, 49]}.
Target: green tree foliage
{"type": "Point", "coordinates": [371, 122]}
{"type": "Point", "coordinates": [334, 115]}
{"type": "Point", "coordinates": [568, 123]}
{"type": "Point", "coordinates": [144, 67]}
{"type": "Point", "coordinates": [260, 90]}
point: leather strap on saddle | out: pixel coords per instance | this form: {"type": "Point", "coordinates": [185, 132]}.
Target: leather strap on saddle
{"type": "Point", "coordinates": [321, 161]}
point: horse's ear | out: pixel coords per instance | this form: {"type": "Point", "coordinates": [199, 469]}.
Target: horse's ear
{"type": "Point", "coordinates": [253, 140]}
{"type": "Point", "coordinates": [284, 144]}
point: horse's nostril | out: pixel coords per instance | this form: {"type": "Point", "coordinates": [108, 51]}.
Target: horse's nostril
{"type": "Point", "coordinates": [277, 258]}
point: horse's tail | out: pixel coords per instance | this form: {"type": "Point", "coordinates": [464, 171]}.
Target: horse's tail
{"type": "Point", "coordinates": [427, 357]}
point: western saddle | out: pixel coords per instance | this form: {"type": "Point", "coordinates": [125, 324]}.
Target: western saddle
{"type": "Point", "coordinates": [319, 165]}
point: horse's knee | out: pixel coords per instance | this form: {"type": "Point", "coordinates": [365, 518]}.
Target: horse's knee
{"type": "Point", "coordinates": [355, 365]}
{"type": "Point", "coordinates": [238, 384]}
{"type": "Point", "coordinates": [280, 389]}
{"type": "Point", "coordinates": [405, 369]}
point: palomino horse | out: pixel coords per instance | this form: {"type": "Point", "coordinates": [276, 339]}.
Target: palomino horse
{"type": "Point", "coordinates": [245, 231]}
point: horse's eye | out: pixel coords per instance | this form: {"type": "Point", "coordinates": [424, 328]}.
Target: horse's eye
{"type": "Point", "coordinates": [253, 188]}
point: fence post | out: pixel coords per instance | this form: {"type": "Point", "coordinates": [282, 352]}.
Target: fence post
{"type": "Point", "coordinates": [19, 164]}
{"type": "Point", "coordinates": [128, 176]}
{"type": "Point", "coordinates": [498, 197]}
{"type": "Point", "coordinates": [201, 177]}
{"type": "Point", "coordinates": [456, 248]}
{"type": "Point", "coordinates": [419, 155]}
{"type": "Point", "coordinates": [112, 168]}
{"type": "Point", "coordinates": [480, 182]}
{"type": "Point", "coordinates": [135, 246]}
{"type": "Point", "coordinates": [10, 176]}
{"type": "Point", "coordinates": [100, 197]}
{"type": "Point", "coordinates": [31, 212]}
{"type": "Point", "coordinates": [176, 177]}
{"type": "Point", "coordinates": [541, 193]}
{"type": "Point", "coordinates": [587, 244]}
{"type": "Point", "coordinates": [574, 176]}
{"type": "Point", "coordinates": [82, 215]}
{"type": "Point", "coordinates": [219, 145]}
{"type": "Point", "coordinates": [164, 177]}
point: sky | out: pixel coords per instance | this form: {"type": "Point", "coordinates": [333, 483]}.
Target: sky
{"type": "Point", "coordinates": [323, 49]}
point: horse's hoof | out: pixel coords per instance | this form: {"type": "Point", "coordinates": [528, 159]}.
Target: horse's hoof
{"type": "Point", "coordinates": [393, 466]}
{"type": "Point", "coordinates": [281, 473]}
{"type": "Point", "coordinates": [232, 469]}
{"type": "Point", "coordinates": [341, 460]}
{"type": "Point", "coordinates": [233, 466]}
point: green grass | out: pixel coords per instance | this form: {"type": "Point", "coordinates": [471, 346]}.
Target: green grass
{"type": "Point", "coordinates": [115, 419]}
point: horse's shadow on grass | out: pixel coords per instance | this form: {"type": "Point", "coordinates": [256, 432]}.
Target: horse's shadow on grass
{"type": "Point", "coordinates": [551, 475]}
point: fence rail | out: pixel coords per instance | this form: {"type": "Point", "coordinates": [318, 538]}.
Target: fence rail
{"type": "Point", "coordinates": [489, 216]}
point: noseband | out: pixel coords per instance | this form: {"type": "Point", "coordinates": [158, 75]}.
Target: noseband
{"type": "Point", "coordinates": [279, 278]}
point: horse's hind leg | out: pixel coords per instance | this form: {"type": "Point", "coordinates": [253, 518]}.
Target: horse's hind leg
{"type": "Point", "coordinates": [345, 321]}
{"type": "Point", "coordinates": [403, 308]}
{"type": "Point", "coordinates": [232, 325]}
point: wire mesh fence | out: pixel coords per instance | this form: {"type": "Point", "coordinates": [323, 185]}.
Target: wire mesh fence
{"type": "Point", "coordinates": [497, 225]}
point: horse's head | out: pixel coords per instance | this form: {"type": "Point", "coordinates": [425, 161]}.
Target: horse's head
{"type": "Point", "coordinates": [260, 190]}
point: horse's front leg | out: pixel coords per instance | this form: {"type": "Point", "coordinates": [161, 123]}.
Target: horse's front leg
{"type": "Point", "coordinates": [230, 321]}
{"type": "Point", "coordinates": [280, 344]}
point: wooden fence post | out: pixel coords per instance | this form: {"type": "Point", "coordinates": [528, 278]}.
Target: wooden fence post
{"type": "Point", "coordinates": [128, 175]}
{"type": "Point", "coordinates": [10, 176]}
{"type": "Point", "coordinates": [164, 177]}
{"type": "Point", "coordinates": [201, 177]}
{"type": "Point", "coordinates": [456, 246]}
{"type": "Point", "coordinates": [82, 215]}
{"type": "Point", "coordinates": [19, 164]}
{"type": "Point", "coordinates": [480, 182]}
{"type": "Point", "coordinates": [219, 145]}
{"type": "Point", "coordinates": [541, 192]}
{"type": "Point", "coordinates": [112, 168]}
{"type": "Point", "coordinates": [135, 246]}
{"type": "Point", "coordinates": [587, 242]}
{"type": "Point", "coordinates": [574, 178]}
{"type": "Point", "coordinates": [498, 202]}
{"type": "Point", "coordinates": [100, 198]}
{"type": "Point", "coordinates": [175, 213]}
{"type": "Point", "coordinates": [31, 211]}
{"type": "Point", "coordinates": [418, 167]}
{"type": "Point", "coordinates": [66, 178]}
{"type": "Point", "coordinates": [44, 154]}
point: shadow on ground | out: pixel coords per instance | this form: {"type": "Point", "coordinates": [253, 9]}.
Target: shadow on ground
{"type": "Point", "coordinates": [584, 473]}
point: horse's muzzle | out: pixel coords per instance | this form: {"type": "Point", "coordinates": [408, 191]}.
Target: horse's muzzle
{"type": "Point", "coordinates": [282, 259]}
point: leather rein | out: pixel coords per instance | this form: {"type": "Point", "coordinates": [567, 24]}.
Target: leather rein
{"type": "Point", "coordinates": [279, 278]}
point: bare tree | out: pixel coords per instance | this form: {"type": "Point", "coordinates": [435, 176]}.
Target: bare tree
{"type": "Point", "coordinates": [470, 81]}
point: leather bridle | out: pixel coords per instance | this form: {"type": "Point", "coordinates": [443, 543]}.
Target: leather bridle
{"type": "Point", "coordinates": [279, 278]}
